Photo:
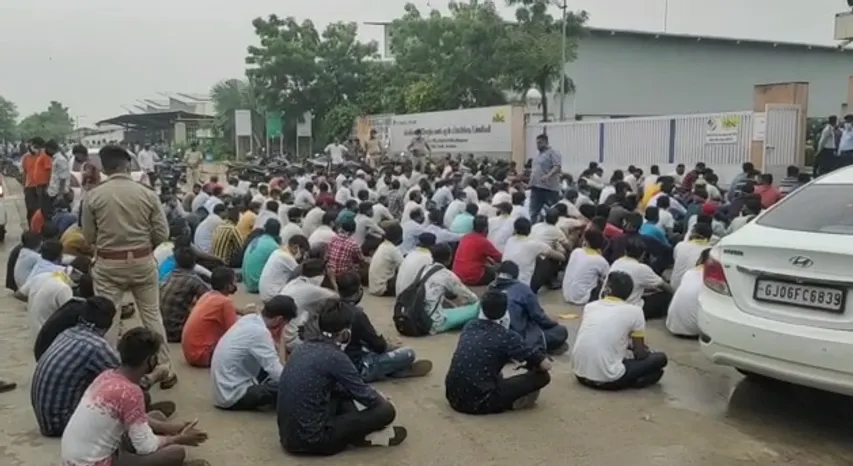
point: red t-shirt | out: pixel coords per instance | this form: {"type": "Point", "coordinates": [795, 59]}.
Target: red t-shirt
{"type": "Point", "coordinates": [213, 314]}
{"type": "Point", "coordinates": [611, 231]}
{"type": "Point", "coordinates": [325, 199]}
{"type": "Point", "coordinates": [769, 195]}
{"type": "Point", "coordinates": [471, 254]}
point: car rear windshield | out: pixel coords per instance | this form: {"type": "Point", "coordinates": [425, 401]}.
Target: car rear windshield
{"type": "Point", "coordinates": [819, 208]}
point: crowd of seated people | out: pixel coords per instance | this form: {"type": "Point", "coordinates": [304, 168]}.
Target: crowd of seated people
{"type": "Point", "coordinates": [465, 243]}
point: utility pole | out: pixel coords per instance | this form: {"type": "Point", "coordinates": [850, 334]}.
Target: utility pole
{"type": "Point", "coordinates": [564, 7]}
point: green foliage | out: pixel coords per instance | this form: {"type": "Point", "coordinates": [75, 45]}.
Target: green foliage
{"type": "Point", "coordinates": [534, 53]}
{"type": "Point", "coordinates": [8, 120]}
{"type": "Point", "coordinates": [53, 123]}
{"type": "Point", "coordinates": [235, 94]}
{"type": "Point", "coordinates": [470, 57]}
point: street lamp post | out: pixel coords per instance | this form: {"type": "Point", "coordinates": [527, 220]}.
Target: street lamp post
{"type": "Point", "coordinates": [563, 6]}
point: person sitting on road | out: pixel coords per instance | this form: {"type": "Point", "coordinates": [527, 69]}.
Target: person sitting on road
{"type": "Point", "coordinates": [227, 242]}
{"type": "Point", "coordinates": [245, 367]}
{"type": "Point", "coordinates": [682, 317]}
{"type": "Point", "coordinates": [309, 294]}
{"type": "Point", "coordinates": [318, 389]}
{"type": "Point", "coordinates": [292, 228]}
{"type": "Point", "coordinates": [213, 314]}
{"type": "Point", "coordinates": [474, 384]}
{"type": "Point", "coordinates": [651, 292]}
{"type": "Point", "coordinates": [526, 251]}
{"type": "Point", "coordinates": [269, 212]}
{"type": "Point", "coordinates": [610, 329]}
{"type": "Point", "coordinates": [414, 261]}
{"type": "Point", "coordinates": [527, 318]}
{"type": "Point", "coordinates": [113, 409]}
{"type": "Point", "coordinates": [449, 303]}
{"type": "Point", "coordinates": [246, 222]}
{"type": "Point", "coordinates": [71, 361]}
{"type": "Point", "coordinates": [344, 255]}
{"type": "Point", "coordinates": [476, 257]}
{"type": "Point", "coordinates": [62, 217]}
{"type": "Point", "coordinates": [280, 266]}
{"type": "Point", "coordinates": [586, 270]}
{"type": "Point", "coordinates": [382, 274]}
{"type": "Point", "coordinates": [686, 253]}
{"type": "Point", "coordinates": [164, 253]}
{"type": "Point", "coordinates": [372, 354]}
{"type": "Point", "coordinates": [21, 264]}
{"type": "Point", "coordinates": [324, 232]}
{"type": "Point", "coordinates": [179, 293]}
{"type": "Point", "coordinates": [464, 222]}
{"type": "Point", "coordinates": [47, 288]}
{"type": "Point", "coordinates": [258, 251]}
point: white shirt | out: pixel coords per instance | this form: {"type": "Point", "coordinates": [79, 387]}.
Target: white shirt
{"type": "Point", "coordinates": [603, 337]}
{"type": "Point", "coordinates": [666, 220]}
{"type": "Point", "coordinates": [650, 181]}
{"type": "Point", "coordinates": [437, 287]}
{"type": "Point", "coordinates": [471, 195]}
{"type": "Point", "coordinates": [364, 227]}
{"type": "Point", "coordinates": [204, 232]}
{"type": "Point", "coordinates": [571, 209]}
{"type": "Point", "coordinates": [486, 209]}
{"type": "Point", "coordinates": [685, 255]}
{"type": "Point", "coordinates": [631, 180]}
{"type": "Point", "coordinates": [199, 201]}
{"type": "Point", "coordinates": [322, 235]}
{"type": "Point", "coordinates": [312, 220]}
{"type": "Point", "coordinates": [342, 195]}
{"type": "Point", "coordinates": [501, 228]}
{"type": "Point", "coordinates": [383, 266]}
{"type": "Point", "coordinates": [336, 151]}
{"type": "Point", "coordinates": [289, 231]}
{"type": "Point", "coordinates": [303, 199]}
{"type": "Point", "coordinates": [548, 234]}
{"type": "Point", "coordinates": [605, 193]}
{"type": "Point", "coordinates": [45, 292]}
{"type": "Point", "coordinates": [260, 199]}
{"type": "Point", "coordinates": [411, 266]}
{"type": "Point", "coordinates": [524, 251]}
{"type": "Point", "coordinates": [586, 269]}
{"type": "Point", "coordinates": [358, 185]}
{"type": "Point", "coordinates": [673, 203]}
{"type": "Point", "coordinates": [308, 296]}
{"type": "Point", "coordinates": [408, 208]}
{"type": "Point", "coordinates": [455, 208]}
{"type": "Point", "coordinates": [643, 276]}
{"type": "Point", "coordinates": [283, 209]}
{"type": "Point", "coordinates": [27, 259]}
{"type": "Point", "coordinates": [212, 202]}
{"type": "Point", "coordinates": [147, 160]}
{"type": "Point", "coordinates": [244, 349]}
{"type": "Point", "coordinates": [501, 197]}
{"type": "Point", "coordinates": [520, 211]}
{"type": "Point", "coordinates": [381, 214]}
{"type": "Point", "coordinates": [263, 217]}
{"type": "Point", "coordinates": [275, 274]}
{"type": "Point", "coordinates": [681, 319]}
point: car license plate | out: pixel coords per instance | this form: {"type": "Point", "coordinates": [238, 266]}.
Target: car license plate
{"type": "Point", "coordinates": [816, 297]}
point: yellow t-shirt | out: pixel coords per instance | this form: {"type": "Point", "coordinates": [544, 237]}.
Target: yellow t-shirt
{"type": "Point", "coordinates": [246, 223]}
{"type": "Point", "coordinates": [648, 195]}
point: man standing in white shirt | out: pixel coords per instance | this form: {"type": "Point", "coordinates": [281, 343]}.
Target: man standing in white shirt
{"type": "Point", "coordinates": [148, 159]}
{"type": "Point", "coordinates": [336, 151]}
{"type": "Point", "coordinates": [246, 349]}
{"type": "Point", "coordinates": [611, 330]}
{"type": "Point", "coordinates": [826, 148]}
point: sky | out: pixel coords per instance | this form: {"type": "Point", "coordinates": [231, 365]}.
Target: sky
{"type": "Point", "coordinates": [96, 56]}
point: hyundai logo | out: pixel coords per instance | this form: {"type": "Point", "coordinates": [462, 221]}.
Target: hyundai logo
{"type": "Point", "coordinates": [801, 261]}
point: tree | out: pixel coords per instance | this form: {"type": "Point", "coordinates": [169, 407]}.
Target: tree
{"type": "Point", "coordinates": [450, 61]}
{"type": "Point", "coordinates": [534, 48]}
{"type": "Point", "coordinates": [53, 123]}
{"type": "Point", "coordinates": [297, 69]}
{"type": "Point", "coordinates": [229, 96]}
{"type": "Point", "coordinates": [8, 120]}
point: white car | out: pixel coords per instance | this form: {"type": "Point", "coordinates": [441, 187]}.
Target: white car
{"type": "Point", "coordinates": [777, 294]}
{"type": "Point", "coordinates": [136, 171]}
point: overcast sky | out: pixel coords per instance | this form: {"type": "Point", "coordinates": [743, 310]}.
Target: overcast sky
{"type": "Point", "coordinates": [97, 55]}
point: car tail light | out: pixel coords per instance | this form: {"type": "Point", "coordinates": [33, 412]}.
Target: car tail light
{"type": "Point", "coordinates": [714, 277]}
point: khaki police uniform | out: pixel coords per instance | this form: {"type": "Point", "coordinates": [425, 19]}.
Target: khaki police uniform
{"type": "Point", "coordinates": [194, 159]}
{"type": "Point", "coordinates": [123, 220]}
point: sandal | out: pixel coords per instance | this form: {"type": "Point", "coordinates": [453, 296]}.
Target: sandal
{"type": "Point", "coordinates": [169, 381]}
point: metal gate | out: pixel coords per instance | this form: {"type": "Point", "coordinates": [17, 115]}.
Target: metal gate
{"type": "Point", "coordinates": [782, 141]}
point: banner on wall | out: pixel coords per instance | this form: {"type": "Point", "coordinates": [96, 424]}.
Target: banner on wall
{"type": "Point", "coordinates": [722, 129]}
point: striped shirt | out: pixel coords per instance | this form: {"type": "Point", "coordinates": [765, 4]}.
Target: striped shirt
{"type": "Point", "coordinates": [226, 240]}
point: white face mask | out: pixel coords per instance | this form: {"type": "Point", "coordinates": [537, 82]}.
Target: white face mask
{"type": "Point", "coordinates": [318, 280]}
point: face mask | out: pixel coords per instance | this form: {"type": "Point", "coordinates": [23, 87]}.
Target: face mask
{"type": "Point", "coordinates": [318, 280]}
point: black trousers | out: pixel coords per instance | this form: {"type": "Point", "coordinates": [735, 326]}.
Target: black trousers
{"type": "Point", "coordinates": [825, 162]}
{"type": "Point", "coordinates": [510, 389]}
{"type": "Point", "coordinates": [638, 374]}
{"type": "Point", "coordinates": [656, 305]}
{"type": "Point", "coordinates": [391, 286]}
{"type": "Point", "coordinates": [31, 200]}
{"type": "Point", "coordinates": [545, 272]}
{"type": "Point", "coordinates": [346, 426]}
{"type": "Point", "coordinates": [257, 396]}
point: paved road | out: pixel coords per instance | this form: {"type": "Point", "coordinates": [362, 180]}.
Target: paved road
{"type": "Point", "coordinates": [700, 415]}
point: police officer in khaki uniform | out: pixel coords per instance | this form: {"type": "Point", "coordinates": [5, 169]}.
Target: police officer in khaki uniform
{"type": "Point", "coordinates": [124, 221]}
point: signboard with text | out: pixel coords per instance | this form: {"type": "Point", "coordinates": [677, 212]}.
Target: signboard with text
{"type": "Point", "coordinates": [473, 130]}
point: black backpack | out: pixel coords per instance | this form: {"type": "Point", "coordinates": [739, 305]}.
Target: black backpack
{"type": "Point", "coordinates": [410, 317]}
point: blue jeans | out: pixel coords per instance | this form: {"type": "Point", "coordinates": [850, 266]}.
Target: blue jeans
{"type": "Point", "coordinates": [375, 366]}
{"type": "Point", "coordinates": [541, 199]}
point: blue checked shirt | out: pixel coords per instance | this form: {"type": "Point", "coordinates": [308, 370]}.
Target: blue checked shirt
{"type": "Point", "coordinates": [63, 373]}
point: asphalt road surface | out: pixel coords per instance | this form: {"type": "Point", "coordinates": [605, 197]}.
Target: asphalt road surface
{"type": "Point", "coordinates": [700, 414]}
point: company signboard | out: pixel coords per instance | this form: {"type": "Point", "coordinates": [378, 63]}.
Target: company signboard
{"type": "Point", "coordinates": [483, 130]}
